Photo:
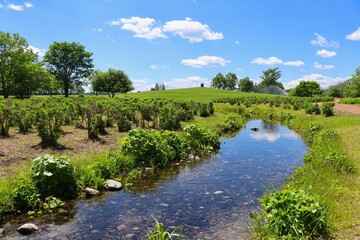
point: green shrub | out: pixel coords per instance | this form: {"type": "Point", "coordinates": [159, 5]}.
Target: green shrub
{"type": "Point", "coordinates": [199, 139]}
{"type": "Point", "coordinates": [312, 109]}
{"type": "Point", "coordinates": [25, 195]}
{"type": "Point", "coordinates": [54, 177]}
{"type": "Point", "coordinates": [292, 214]}
{"type": "Point", "coordinates": [327, 109]}
{"type": "Point", "coordinates": [170, 117]}
{"type": "Point", "coordinates": [146, 148]}
{"type": "Point", "coordinates": [5, 118]}
{"type": "Point", "coordinates": [48, 123]}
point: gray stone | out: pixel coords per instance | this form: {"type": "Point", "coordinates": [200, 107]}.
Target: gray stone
{"type": "Point", "coordinates": [191, 156]}
{"type": "Point", "coordinates": [27, 228]}
{"type": "Point", "coordinates": [113, 185]}
{"type": "Point", "coordinates": [89, 192]}
{"type": "Point", "coordinates": [197, 158]}
{"type": "Point", "coordinates": [2, 232]}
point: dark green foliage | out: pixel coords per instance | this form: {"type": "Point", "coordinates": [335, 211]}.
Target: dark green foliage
{"type": "Point", "coordinates": [6, 116]}
{"type": "Point", "coordinates": [228, 82]}
{"type": "Point", "coordinates": [292, 214]}
{"type": "Point", "coordinates": [113, 81]}
{"type": "Point", "coordinates": [246, 85]}
{"type": "Point", "coordinates": [48, 123]}
{"type": "Point", "coordinates": [199, 139]}
{"type": "Point", "coordinates": [54, 177]}
{"type": "Point", "coordinates": [69, 63]}
{"type": "Point", "coordinates": [312, 109]}
{"type": "Point", "coordinates": [170, 117]}
{"type": "Point", "coordinates": [23, 118]}
{"type": "Point", "coordinates": [146, 148]}
{"type": "Point", "coordinates": [307, 89]}
{"type": "Point", "coordinates": [327, 109]}
{"type": "Point", "coordinates": [230, 124]}
{"type": "Point", "coordinates": [25, 195]}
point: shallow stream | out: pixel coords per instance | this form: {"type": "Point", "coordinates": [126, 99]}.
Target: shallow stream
{"type": "Point", "coordinates": [211, 198]}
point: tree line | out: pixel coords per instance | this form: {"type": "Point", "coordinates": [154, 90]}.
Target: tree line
{"type": "Point", "coordinates": [65, 68]}
{"type": "Point", "coordinates": [270, 84]}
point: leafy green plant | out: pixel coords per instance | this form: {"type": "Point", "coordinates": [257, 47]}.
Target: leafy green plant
{"type": "Point", "coordinates": [158, 232]}
{"type": "Point", "coordinates": [291, 214]}
{"type": "Point", "coordinates": [52, 203]}
{"type": "Point", "coordinates": [327, 109]}
{"type": "Point", "coordinates": [199, 139]}
{"type": "Point", "coordinates": [5, 118]}
{"type": "Point", "coordinates": [54, 177]}
{"type": "Point", "coordinates": [48, 123]}
{"type": "Point", "coordinates": [25, 195]}
{"type": "Point", "coordinates": [146, 148]}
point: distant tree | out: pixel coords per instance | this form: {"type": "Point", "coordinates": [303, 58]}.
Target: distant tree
{"type": "Point", "coordinates": [228, 82]}
{"type": "Point", "coordinates": [113, 81]}
{"type": "Point", "coordinates": [246, 85]}
{"type": "Point", "coordinates": [219, 81]}
{"type": "Point", "coordinates": [270, 77]}
{"type": "Point", "coordinates": [69, 63]}
{"type": "Point", "coordinates": [353, 88]}
{"type": "Point", "coordinates": [334, 91]}
{"type": "Point", "coordinates": [30, 78]}
{"type": "Point", "coordinates": [307, 89]}
{"type": "Point", "coordinates": [15, 61]}
{"type": "Point", "coordinates": [231, 81]}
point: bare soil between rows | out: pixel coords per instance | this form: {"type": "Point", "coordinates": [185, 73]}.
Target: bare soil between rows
{"type": "Point", "coordinates": [17, 149]}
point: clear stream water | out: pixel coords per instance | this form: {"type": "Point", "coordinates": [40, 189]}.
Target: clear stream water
{"type": "Point", "coordinates": [210, 198]}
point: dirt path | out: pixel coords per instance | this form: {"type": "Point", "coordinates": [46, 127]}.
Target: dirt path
{"type": "Point", "coordinates": [346, 108]}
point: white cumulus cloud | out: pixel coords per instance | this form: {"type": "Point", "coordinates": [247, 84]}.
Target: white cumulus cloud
{"type": "Point", "coordinates": [141, 27]}
{"type": "Point", "coordinates": [354, 36]}
{"type": "Point", "coordinates": [188, 82]}
{"type": "Point", "coordinates": [324, 81]}
{"type": "Point", "coordinates": [38, 51]}
{"type": "Point", "coordinates": [323, 42]}
{"type": "Point", "coordinates": [325, 53]}
{"type": "Point", "coordinates": [296, 63]}
{"type": "Point", "coordinates": [205, 62]}
{"type": "Point", "coordinates": [323, 67]}
{"type": "Point", "coordinates": [158, 67]}
{"type": "Point", "coordinates": [193, 31]}
{"type": "Point", "coordinates": [142, 84]}
{"type": "Point", "coordinates": [28, 5]}
{"type": "Point", "coordinates": [276, 61]}
{"type": "Point", "coordinates": [1, 6]}
{"type": "Point", "coordinates": [15, 7]}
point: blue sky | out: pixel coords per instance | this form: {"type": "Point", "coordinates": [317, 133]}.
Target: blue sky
{"type": "Point", "coordinates": [183, 43]}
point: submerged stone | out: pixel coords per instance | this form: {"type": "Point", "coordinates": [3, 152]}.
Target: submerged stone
{"type": "Point", "coordinates": [27, 228]}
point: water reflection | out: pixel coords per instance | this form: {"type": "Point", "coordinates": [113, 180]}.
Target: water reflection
{"type": "Point", "coordinates": [271, 132]}
{"type": "Point", "coordinates": [211, 198]}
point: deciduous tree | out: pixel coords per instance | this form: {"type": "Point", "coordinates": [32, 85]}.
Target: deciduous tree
{"type": "Point", "coordinates": [69, 63]}
{"type": "Point", "coordinates": [307, 89]}
{"type": "Point", "coordinates": [246, 85]}
{"type": "Point", "coordinates": [113, 81]}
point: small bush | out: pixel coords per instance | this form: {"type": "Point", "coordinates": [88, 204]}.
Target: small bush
{"type": "Point", "coordinates": [48, 123]}
{"type": "Point", "coordinates": [199, 139]}
{"type": "Point", "coordinates": [292, 214]}
{"type": "Point", "coordinates": [54, 177]}
{"type": "Point", "coordinates": [312, 109]}
{"type": "Point", "coordinates": [327, 109]}
{"type": "Point", "coordinates": [25, 195]}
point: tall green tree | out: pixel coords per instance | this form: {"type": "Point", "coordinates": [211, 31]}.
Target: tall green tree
{"type": "Point", "coordinates": [353, 88]}
{"type": "Point", "coordinates": [307, 89]}
{"type": "Point", "coordinates": [270, 77]}
{"type": "Point", "coordinates": [231, 81]}
{"type": "Point", "coordinates": [113, 81]}
{"type": "Point", "coordinates": [219, 81]}
{"type": "Point", "coordinates": [246, 85]}
{"type": "Point", "coordinates": [69, 63]}
{"type": "Point", "coordinates": [15, 60]}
